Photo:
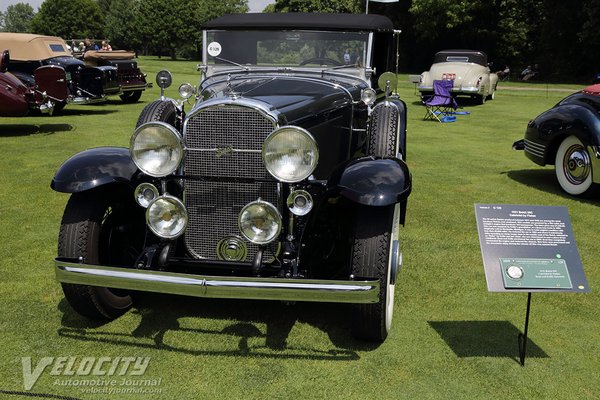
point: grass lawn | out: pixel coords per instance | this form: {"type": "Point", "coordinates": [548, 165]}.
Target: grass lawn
{"type": "Point", "coordinates": [450, 337]}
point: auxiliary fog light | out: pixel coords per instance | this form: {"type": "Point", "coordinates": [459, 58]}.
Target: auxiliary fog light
{"type": "Point", "coordinates": [167, 217]}
{"type": "Point", "coordinates": [368, 96]}
{"type": "Point", "coordinates": [186, 90]}
{"type": "Point", "coordinates": [145, 193]}
{"type": "Point", "coordinates": [259, 222]}
{"type": "Point", "coordinates": [300, 202]}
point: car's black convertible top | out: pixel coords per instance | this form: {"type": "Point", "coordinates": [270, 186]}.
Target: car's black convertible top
{"type": "Point", "coordinates": [312, 21]}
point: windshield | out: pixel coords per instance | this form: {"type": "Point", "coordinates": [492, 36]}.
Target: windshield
{"type": "Point", "coordinates": [308, 49]}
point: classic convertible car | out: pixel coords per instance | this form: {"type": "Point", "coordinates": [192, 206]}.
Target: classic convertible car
{"type": "Point", "coordinates": [29, 52]}
{"type": "Point", "coordinates": [286, 180]}
{"type": "Point", "coordinates": [568, 137]}
{"type": "Point", "coordinates": [469, 71]}
{"type": "Point", "coordinates": [18, 99]}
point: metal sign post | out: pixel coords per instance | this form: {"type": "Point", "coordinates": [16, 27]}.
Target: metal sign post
{"type": "Point", "coordinates": [529, 249]}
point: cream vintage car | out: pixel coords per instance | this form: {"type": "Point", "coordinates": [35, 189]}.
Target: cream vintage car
{"type": "Point", "coordinates": [468, 69]}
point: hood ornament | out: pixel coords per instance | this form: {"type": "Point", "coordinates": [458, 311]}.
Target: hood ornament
{"type": "Point", "coordinates": [230, 91]}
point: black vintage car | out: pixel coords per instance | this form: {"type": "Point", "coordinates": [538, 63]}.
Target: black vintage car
{"type": "Point", "coordinates": [568, 137]}
{"type": "Point", "coordinates": [30, 52]}
{"type": "Point", "coordinates": [131, 79]}
{"type": "Point", "coordinates": [286, 180]}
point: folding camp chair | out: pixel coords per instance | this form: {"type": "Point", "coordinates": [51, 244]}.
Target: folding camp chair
{"type": "Point", "coordinates": [441, 103]}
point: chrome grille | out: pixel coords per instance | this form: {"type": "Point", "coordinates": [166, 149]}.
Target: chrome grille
{"type": "Point", "coordinates": [226, 141]}
{"type": "Point", "coordinates": [223, 145]}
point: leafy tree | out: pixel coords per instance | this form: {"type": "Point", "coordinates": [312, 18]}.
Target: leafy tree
{"type": "Point", "coordinates": [120, 24]}
{"type": "Point", "coordinates": [324, 6]}
{"type": "Point", "coordinates": [174, 26]}
{"type": "Point", "coordinates": [1, 21]}
{"type": "Point", "coordinates": [17, 18]}
{"type": "Point", "coordinates": [69, 19]}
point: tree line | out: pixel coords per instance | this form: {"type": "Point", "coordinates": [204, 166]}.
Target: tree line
{"type": "Point", "coordinates": [563, 38]}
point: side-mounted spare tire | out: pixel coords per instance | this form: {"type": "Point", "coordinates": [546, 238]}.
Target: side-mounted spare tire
{"type": "Point", "coordinates": [158, 110]}
{"type": "Point", "coordinates": [375, 251]}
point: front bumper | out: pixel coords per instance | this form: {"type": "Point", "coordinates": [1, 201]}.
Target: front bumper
{"type": "Point", "coordinates": [361, 291]}
{"type": "Point", "coordinates": [86, 100]}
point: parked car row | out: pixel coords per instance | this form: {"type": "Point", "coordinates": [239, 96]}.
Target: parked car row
{"type": "Point", "coordinates": [286, 180]}
{"type": "Point", "coordinates": [48, 69]}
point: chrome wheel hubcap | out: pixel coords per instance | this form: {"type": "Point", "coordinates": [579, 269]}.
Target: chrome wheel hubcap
{"type": "Point", "coordinates": [576, 165]}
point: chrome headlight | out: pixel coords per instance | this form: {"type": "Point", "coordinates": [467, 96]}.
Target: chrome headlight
{"type": "Point", "coordinates": [167, 217]}
{"type": "Point", "coordinates": [156, 148]}
{"type": "Point", "coordinates": [290, 154]}
{"type": "Point", "coordinates": [260, 222]}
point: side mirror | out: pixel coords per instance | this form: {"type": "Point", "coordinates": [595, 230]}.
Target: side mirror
{"type": "Point", "coordinates": [387, 82]}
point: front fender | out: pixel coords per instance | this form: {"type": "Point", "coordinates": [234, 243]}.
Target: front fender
{"type": "Point", "coordinates": [373, 181]}
{"type": "Point", "coordinates": [94, 168]}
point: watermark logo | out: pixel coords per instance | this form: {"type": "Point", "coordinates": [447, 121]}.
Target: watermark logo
{"type": "Point", "coordinates": [105, 371]}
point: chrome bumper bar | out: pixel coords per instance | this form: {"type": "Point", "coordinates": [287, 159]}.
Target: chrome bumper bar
{"type": "Point", "coordinates": [337, 291]}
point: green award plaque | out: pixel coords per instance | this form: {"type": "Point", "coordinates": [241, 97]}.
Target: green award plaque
{"type": "Point", "coordinates": [535, 273]}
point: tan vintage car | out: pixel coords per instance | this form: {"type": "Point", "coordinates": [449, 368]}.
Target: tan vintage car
{"type": "Point", "coordinates": [468, 69]}
{"type": "Point", "coordinates": [85, 84]}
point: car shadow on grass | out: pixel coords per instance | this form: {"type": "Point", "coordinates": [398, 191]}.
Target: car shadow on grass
{"type": "Point", "coordinates": [13, 130]}
{"type": "Point", "coordinates": [545, 180]}
{"type": "Point", "coordinates": [89, 109]}
{"type": "Point", "coordinates": [246, 328]}
{"type": "Point", "coordinates": [484, 339]}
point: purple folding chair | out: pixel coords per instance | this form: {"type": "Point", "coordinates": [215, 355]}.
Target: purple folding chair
{"type": "Point", "coordinates": [441, 103]}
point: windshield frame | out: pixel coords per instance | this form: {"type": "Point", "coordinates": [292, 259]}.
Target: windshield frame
{"type": "Point", "coordinates": [363, 72]}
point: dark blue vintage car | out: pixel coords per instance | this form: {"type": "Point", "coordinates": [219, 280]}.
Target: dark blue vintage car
{"type": "Point", "coordinates": [568, 137]}
{"type": "Point", "coordinates": [286, 180]}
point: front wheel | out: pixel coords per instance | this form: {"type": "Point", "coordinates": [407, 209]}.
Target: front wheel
{"type": "Point", "coordinates": [573, 166]}
{"type": "Point", "coordinates": [376, 254]}
{"type": "Point", "coordinates": [98, 230]}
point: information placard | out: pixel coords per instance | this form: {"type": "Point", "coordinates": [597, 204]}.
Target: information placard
{"type": "Point", "coordinates": [529, 249]}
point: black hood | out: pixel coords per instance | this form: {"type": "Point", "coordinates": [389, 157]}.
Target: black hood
{"type": "Point", "coordinates": [295, 98]}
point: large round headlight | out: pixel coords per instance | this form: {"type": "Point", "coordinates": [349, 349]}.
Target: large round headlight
{"type": "Point", "coordinates": [260, 222]}
{"type": "Point", "coordinates": [290, 154]}
{"type": "Point", "coordinates": [167, 217]}
{"type": "Point", "coordinates": [156, 148]}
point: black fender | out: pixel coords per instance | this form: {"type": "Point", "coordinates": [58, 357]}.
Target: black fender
{"type": "Point", "coordinates": [373, 181]}
{"type": "Point", "coordinates": [94, 168]}
{"type": "Point", "coordinates": [552, 126]}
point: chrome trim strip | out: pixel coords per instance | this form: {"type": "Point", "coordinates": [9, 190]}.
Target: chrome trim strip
{"type": "Point", "coordinates": [227, 150]}
{"type": "Point", "coordinates": [337, 291]}
{"type": "Point", "coordinates": [537, 149]}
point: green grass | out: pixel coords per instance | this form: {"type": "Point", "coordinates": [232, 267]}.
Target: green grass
{"type": "Point", "coordinates": [450, 338]}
